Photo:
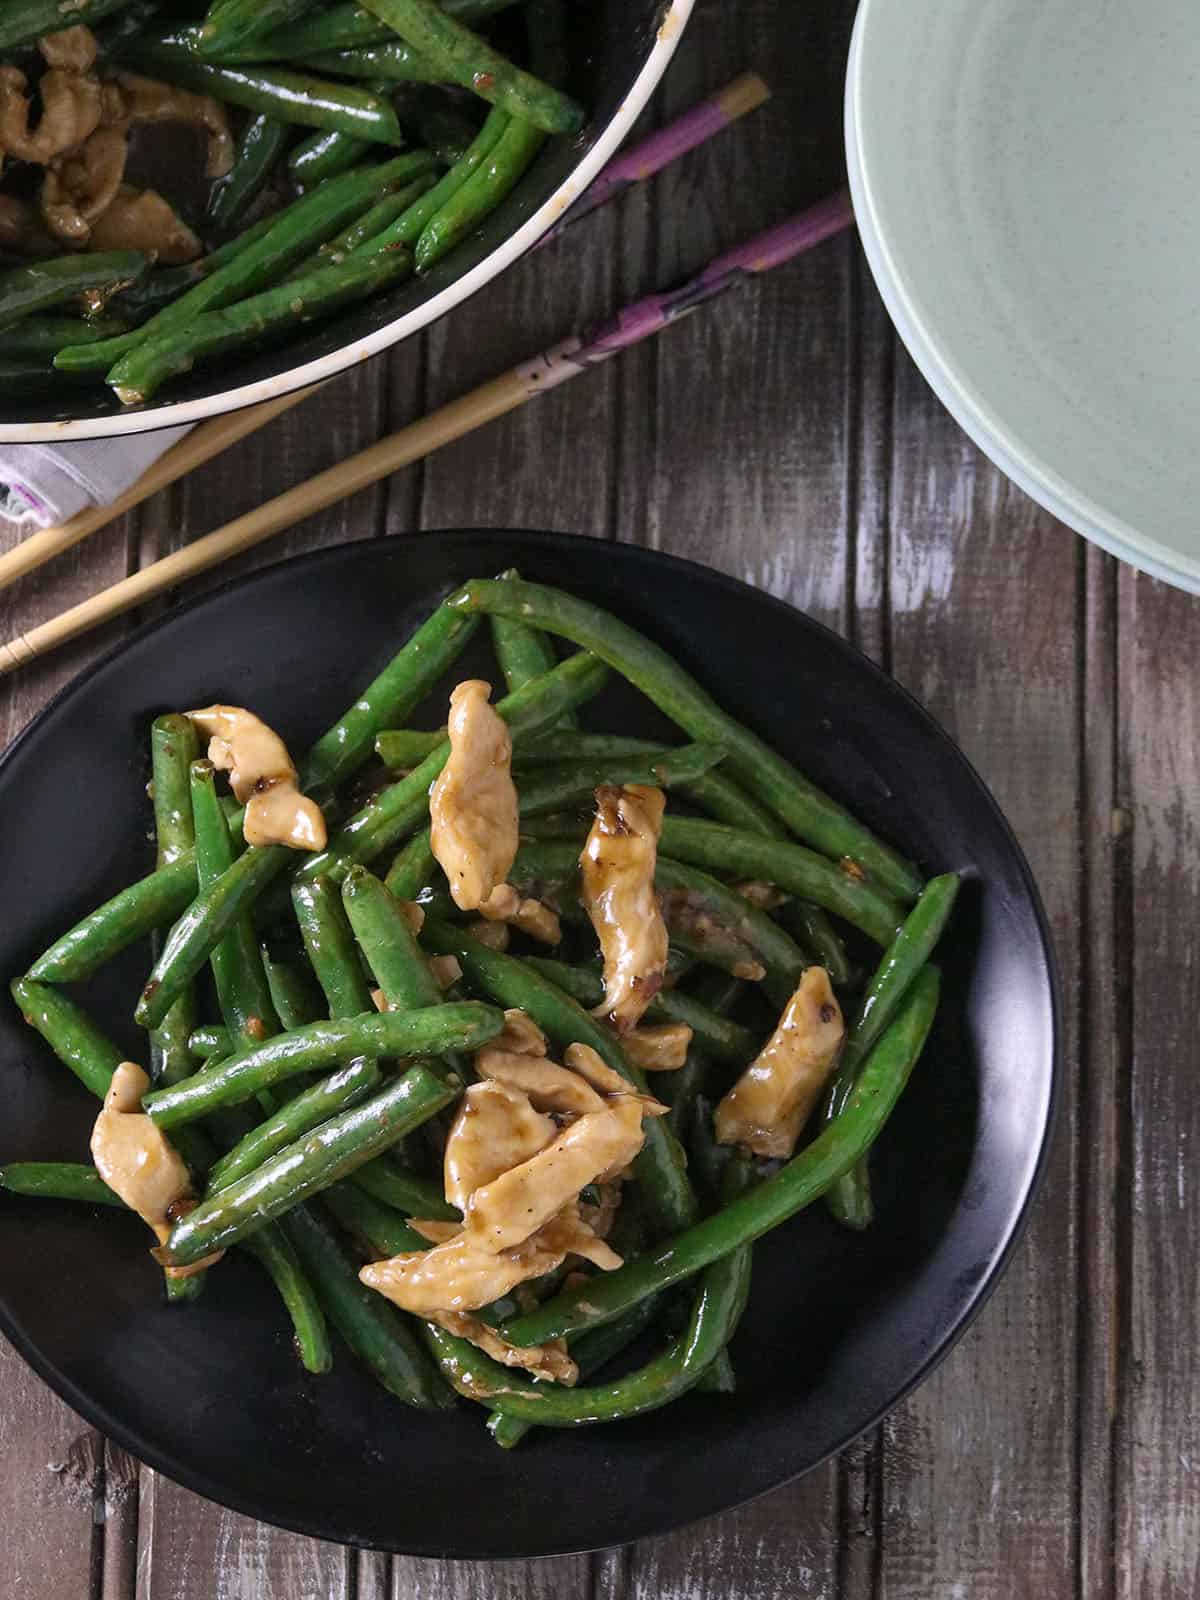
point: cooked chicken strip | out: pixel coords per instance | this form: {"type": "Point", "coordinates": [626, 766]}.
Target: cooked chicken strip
{"type": "Point", "coordinates": [70, 113]}
{"type": "Point", "coordinates": [148, 100]}
{"type": "Point", "coordinates": [80, 186]}
{"type": "Point", "coordinates": [618, 863]}
{"type": "Point", "coordinates": [138, 1162]}
{"type": "Point", "coordinates": [773, 1099]}
{"type": "Point", "coordinates": [73, 49]}
{"type": "Point", "coordinates": [496, 1128]}
{"type": "Point", "coordinates": [473, 804]}
{"type": "Point", "coordinates": [520, 1036]}
{"type": "Point", "coordinates": [548, 1086]}
{"type": "Point", "coordinates": [457, 1275]}
{"type": "Point", "coordinates": [262, 777]}
{"type": "Point", "coordinates": [505, 905]}
{"type": "Point", "coordinates": [662, 1048]}
{"type": "Point", "coordinates": [588, 1063]}
{"type": "Point", "coordinates": [140, 219]}
{"type": "Point", "coordinates": [510, 1208]}
{"type": "Point", "coordinates": [549, 1361]}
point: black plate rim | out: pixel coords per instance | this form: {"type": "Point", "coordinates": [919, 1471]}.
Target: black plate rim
{"type": "Point", "coordinates": [330, 556]}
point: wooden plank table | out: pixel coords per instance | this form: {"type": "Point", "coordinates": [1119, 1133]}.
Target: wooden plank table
{"type": "Point", "coordinates": [785, 438]}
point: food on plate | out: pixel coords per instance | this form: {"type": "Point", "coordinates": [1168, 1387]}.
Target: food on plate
{"type": "Point", "coordinates": [301, 117]}
{"type": "Point", "coordinates": [445, 1144]}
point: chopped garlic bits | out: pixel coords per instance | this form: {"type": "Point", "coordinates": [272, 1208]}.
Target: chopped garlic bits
{"type": "Point", "coordinates": [618, 864]}
{"type": "Point", "coordinates": [138, 1162]}
{"type": "Point", "coordinates": [769, 1104]}
{"type": "Point", "coordinates": [262, 777]}
{"type": "Point", "coordinates": [495, 1129]}
{"type": "Point", "coordinates": [473, 804]}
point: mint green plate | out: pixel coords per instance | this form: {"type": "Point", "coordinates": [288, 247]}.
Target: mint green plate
{"type": "Point", "coordinates": [1026, 177]}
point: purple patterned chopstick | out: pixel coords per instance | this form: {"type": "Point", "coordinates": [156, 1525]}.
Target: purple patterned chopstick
{"type": "Point", "coordinates": [650, 315]}
{"type": "Point", "coordinates": [652, 154]}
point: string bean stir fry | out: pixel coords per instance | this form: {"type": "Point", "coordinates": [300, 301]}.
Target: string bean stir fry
{"type": "Point", "coordinates": [496, 1043]}
{"type": "Point", "coordinates": [346, 148]}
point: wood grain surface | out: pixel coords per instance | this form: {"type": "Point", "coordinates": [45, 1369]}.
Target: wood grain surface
{"type": "Point", "coordinates": [783, 437]}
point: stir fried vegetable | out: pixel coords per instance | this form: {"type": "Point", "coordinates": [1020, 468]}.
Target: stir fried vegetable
{"type": "Point", "coordinates": [512, 1201]}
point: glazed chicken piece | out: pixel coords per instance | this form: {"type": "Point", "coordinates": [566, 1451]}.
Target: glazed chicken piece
{"type": "Point", "coordinates": [505, 905]}
{"type": "Point", "coordinates": [22, 231]}
{"type": "Point", "coordinates": [457, 1275]}
{"type": "Point", "coordinates": [589, 1064]}
{"type": "Point", "coordinates": [662, 1048]}
{"type": "Point", "coordinates": [71, 105]}
{"type": "Point", "coordinates": [262, 777]}
{"type": "Point", "coordinates": [547, 1086]}
{"type": "Point", "coordinates": [548, 1360]}
{"type": "Point", "coordinates": [79, 188]}
{"type": "Point", "coordinates": [72, 49]}
{"type": "Point", "coordinates": [618, 864]}
{"type": "Point", "coordinates": [768, 1106]}
{"type": "Point", "coordinates": [496, 1128]}
{"type": "Point", "coordinates": [140, 219]}
{"type": "Point", "coordinates": [509, 1208]}
{"type": "Point", "coordinates": [520, 1036]}
{"type": "Point", "coordinates": [473, 804]}
{"type": "Point", "coordinates": [138, 1162]}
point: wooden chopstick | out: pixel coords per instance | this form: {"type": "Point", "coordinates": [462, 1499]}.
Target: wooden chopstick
{"type": "Point", "coordinates": [505, 393]}
{"type": "Point", "coordinates": [632, 165]}
{"type": "Point", "coordinates": [195, 448]}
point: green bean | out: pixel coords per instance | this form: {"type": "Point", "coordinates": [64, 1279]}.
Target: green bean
{"type": "Point", "coordinates": [818, 938]}
{"type": "Point", "coordinates": [442, 128]}
{"type": "Point", "coordinates": [460, 1026]}
{"type": "Point", "coordinates": [288, 96]}
{"type": "Point", "coordinates": [471, 62]}
{"type": "Point", "coordinates": [293, 992]}
{"type": "Point", "coordinates": [404, 1191]}
{"type": "Point", "coordinates": [158, 289]}
{"type": "Point", "coordinates": [393, 62]}
{"type": "Point", "coordinates": [409, 226]}
{"type": "Point", "coordinates": [173, 746]}
{"type": "Point", "coordinates": [46, 336]}
{"type": "Point", "coordinates": [70, 1032]}
{"type": "Point", "coordinates": [294, 232]}
{"type": "Point", "coordinates": [338, 1092]}
{"type": "Point", "coordinates": [388, 943]}
{"type": "Point", "coordinates": [128, 23]}
{"type": "Point", "coordinates": [346, 26]}
{"type": "Point", "coordinates": [372, 222]}
{"type": "Point", "coordinates": [305, 1166]}
{"type": "Point", "coordinates": [242, 992]}
{"type": "Point", "coordinates": [805, 1178]}
{"type": "Point", "coordinates": [262, 143]}
{"type": "Point", "coordinates": [321, 291]}
{"type": "Point", "coordinates": [680, 1089]}
{"type": "Point", "coordinates": [557, 785]}
{"type": "Point", "coordinates": [58, 1180]}
{"type": "Point", "coordinates": [412, 868]}
{"type": "Point", "coordinates": [390, 697]}
{"type": "Point", "coordinates": [812, 815]}
{"type": "Point", "coordinates": [799, 871]}
{"type": "Point", "coordinates": [660, 1166]}
{"type": "Point", "coordinates": [405, 748]}
{"type": "Point", "coordinates": [134, 912]}
{"type": "Point", "coordinates": [476, 198]}
{"type": "Point", "coordinates": [850, 1197]}
{"type": "Point", "coordinates": [275, 1251]}
{"type": "Point", "coordinates": [41, 284]}
{"type": "Point", "coordinates": [370, 1326]}
{"type": "Point", "coordinates": [724, 1040]}
{"type": "Point", "coordinates": [24, 21]}
{"type": "Point", "coordinates": [209, 1043]}
{"type": "Point", "coordinates": [329, 940]}
{"type": "Point", "coordinates": [323, 155]}
{"type": "Point", "coordinates": [401, 808]}
{"type": "Point", "coordinates": [231, 23]}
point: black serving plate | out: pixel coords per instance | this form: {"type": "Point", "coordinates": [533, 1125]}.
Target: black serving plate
{"type": "Point", "coordinates": [839, 1326]}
